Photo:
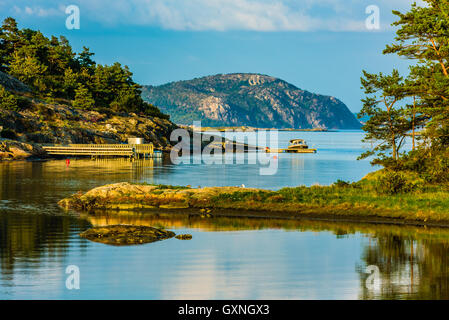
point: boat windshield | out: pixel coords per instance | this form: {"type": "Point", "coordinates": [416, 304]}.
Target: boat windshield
{"type": "Point", "coordinates": [297, 142]}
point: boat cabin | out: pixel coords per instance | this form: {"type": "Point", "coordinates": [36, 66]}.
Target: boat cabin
{"type": "Point", "coordinates": [298, 144]}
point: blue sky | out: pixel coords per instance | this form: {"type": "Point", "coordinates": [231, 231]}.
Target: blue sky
{"type": "Point", "coordinates": [318, 45]}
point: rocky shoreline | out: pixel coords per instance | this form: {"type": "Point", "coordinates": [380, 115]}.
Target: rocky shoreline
{"type": "Point", "coordinates": [314, 203]}
{"type": "Point", "coordinates": [15, 150]}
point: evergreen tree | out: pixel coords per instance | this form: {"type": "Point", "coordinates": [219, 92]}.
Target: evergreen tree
{"type": "Point", "coordinates": [51, 68]}
{"type": "Point", "coordinates": [7, 100]}
{"type": "Point", "coordinates": [83, 98]}
{"type": "Point", "coordinates": [387, 125]}
{"type": "Point", "coordinates": [9, 41]}
{"type": "Point", "coordinates": [421, 102]}
{"type": "Point", "coordinates": [423, 36]}
{"type": "Point", "coordinates": [27, 68]}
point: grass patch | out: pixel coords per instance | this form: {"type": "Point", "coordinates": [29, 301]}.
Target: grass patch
{"type": "Point", "coordinates": [404, 197]}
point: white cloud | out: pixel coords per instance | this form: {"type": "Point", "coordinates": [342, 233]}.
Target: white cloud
{"type": "Point", "coordinates": [218, 15]}
{"type": "Point", "coordinates": [223, 15]}
{"type": "Point", "coordinates": [253, 15]}
{"type": "Point", "coordinates": [40, 11]}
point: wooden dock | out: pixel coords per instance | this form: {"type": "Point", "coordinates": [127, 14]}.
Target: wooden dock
{"type": "Point", "coordinates": [136, 151]}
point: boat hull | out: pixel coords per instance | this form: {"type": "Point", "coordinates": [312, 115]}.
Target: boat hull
{"type": "Point", "coordinates": [291, 151]}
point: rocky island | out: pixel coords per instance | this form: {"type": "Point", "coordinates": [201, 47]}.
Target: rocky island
{"type": "Point", "coordinates": [249, 99]}
{"type": "Point", "coordinates": [120, 235]}
{"type": "Point", "coordinates": [368, 200]}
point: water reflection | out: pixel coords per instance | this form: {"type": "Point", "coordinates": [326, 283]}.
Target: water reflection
{"type": "Point", "coordinates": [32, 248]}
{"type": "Point", "coordinates": [413, 261]}
{"type": "Point", "coordinates": [242, 258]}
{"type": "Point", "coordinates": [410, 267]}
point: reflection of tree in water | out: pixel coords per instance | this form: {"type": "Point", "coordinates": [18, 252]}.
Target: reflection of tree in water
{"type": "Point", "coordinates": [26, 240]}
{"type": "Point", "coordinates": [413, 261]}
{"type": "Point", "coordinates": [409, 269]}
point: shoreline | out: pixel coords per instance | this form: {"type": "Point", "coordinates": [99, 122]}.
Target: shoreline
{"type": "Point", "coordinates": [325, 203]}
{"type": "Point", "coordinates": [278, 215]}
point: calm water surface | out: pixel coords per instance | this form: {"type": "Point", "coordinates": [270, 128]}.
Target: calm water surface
{"type": "Point", "coordinates": [227, 258]}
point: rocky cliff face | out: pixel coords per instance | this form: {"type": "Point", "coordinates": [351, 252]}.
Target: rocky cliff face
{"type": "Point", "coordinates": [248, 100]}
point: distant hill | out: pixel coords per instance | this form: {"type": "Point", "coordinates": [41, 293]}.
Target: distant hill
{"type": "Point", "coordinates": [243, 99]}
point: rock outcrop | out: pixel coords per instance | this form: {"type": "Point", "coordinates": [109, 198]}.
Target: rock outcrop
{"type": "Point", "coordinates": [127, 196]}
{"type": "Point", "coordinates": [62, 124]}
{"type": "Point", "coordinates": [56, 121]}
{"type": "Point", "coordinates": [15, 150]}
{"type": "Point", "coordinates": [12, 84]}
{"type": "Point", "coordinates": [122, 235]}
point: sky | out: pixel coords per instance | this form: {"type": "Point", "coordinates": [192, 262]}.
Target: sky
{"type": "Point", "coordinates": [318, 45]}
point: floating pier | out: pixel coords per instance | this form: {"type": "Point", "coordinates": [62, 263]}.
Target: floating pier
{"type": "Point", "coordinates": [132, 151]}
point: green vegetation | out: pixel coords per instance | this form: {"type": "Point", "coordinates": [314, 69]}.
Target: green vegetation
{"type": "Point", "coordinates": [416, 105]}
{"type": "Point", "coordinates": [55, 72]}
{"type": "Point", "coordinates": [250, 100]}
{"type": "Point", "coordinates": [7, 100]}
{"type": "Point", "coordinates": [381, 195]}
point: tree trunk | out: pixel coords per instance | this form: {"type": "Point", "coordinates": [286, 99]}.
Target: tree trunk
{"type": "Point", "coordinates": [413, 122]}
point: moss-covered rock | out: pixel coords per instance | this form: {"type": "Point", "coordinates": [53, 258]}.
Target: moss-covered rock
{"type": "Point", "coordinates": [127, 196]}
{"type": "Point", "coordinates": [122, 235]}
{"type": "Point", "coordinates": [184, 237]}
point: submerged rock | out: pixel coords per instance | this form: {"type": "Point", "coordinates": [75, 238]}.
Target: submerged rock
{"type": "Point", "coordinates": [121, 235]}
{"type": "Point", "coordinates": [184, 237]}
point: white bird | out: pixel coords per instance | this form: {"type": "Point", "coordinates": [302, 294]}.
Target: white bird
{"type": "Point", "coordinates": [243, 186]}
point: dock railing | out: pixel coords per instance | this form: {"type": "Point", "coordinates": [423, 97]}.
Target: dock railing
{"type": "Point", "coordinates": [97, 150]}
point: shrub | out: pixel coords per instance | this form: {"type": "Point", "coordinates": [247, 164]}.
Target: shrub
{"type": "Point", "coordinates": [392, 182]}
{"type": "Point", "coordinates": [7, 100]}
{"type": "Point", "coordinates": [83, 99]}
{"type": "Point", "coordinates": [341, 183]}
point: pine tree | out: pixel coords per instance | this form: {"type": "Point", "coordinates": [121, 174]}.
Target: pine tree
{"type": "Point", "coordinates": [423, 36]}
{"type": "Point", "coordinates": [83, 98]}
{"type": "Point", "coordinates": [7, 100]}
{"type": "Point", "coordinates": [387, 125]}
{"type": "Point", "coordinates": [51, 68]}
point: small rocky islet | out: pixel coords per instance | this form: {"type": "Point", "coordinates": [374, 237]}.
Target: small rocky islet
{"type": "Point", "coordinates": [122, 235]}
{"type": "Point", "coordinates": [184, 237]}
